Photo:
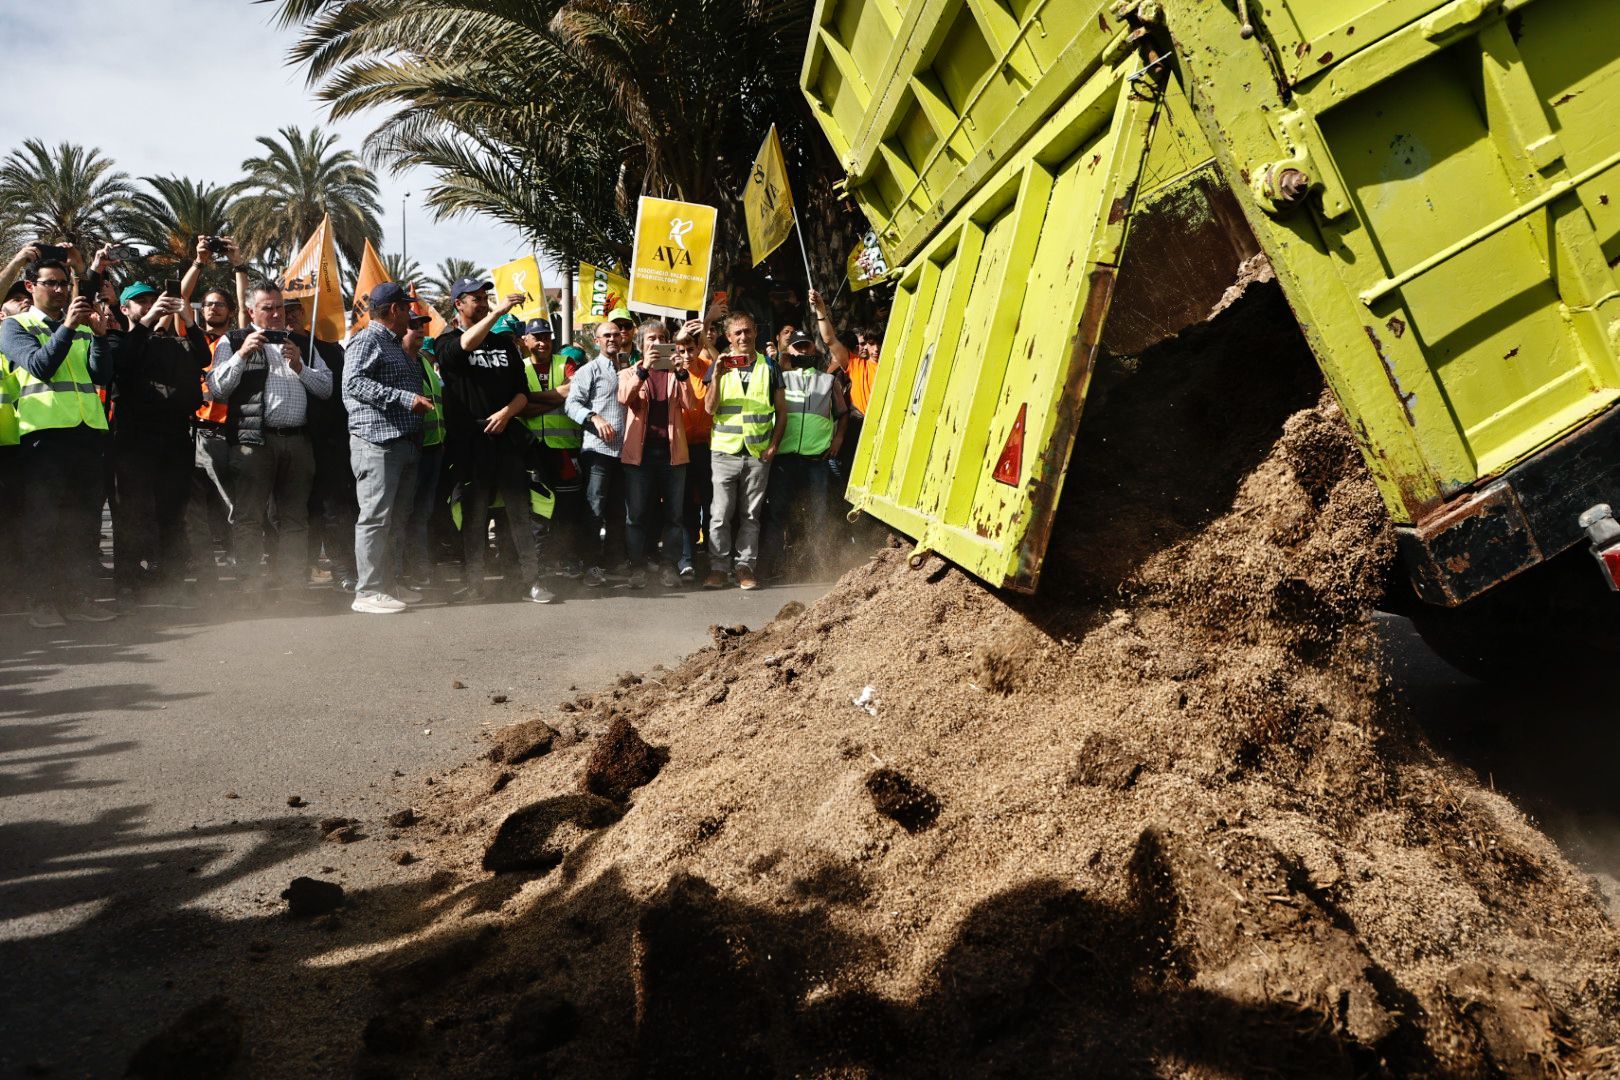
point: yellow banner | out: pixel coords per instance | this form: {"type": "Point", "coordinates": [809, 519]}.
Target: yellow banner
{"type": "Point", "coordinates": [670, 261]}
{"type": "Point", "coordinates": [521, 276]}
{"type": "Point", "coordinates": [371, 275]}
{"type": "Point", "coordinates": [768, 200]}
{"type": "Point", "coordinates": [597, 292]}
{"type": "Point", "coordinates": [866, 266]}
{"type": "Point", "coordinates": [312, 276]}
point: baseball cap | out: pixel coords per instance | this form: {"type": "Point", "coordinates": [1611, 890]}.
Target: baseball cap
{"type": "Point", "coordinates": [135, 289]}
{"type": "Point", "coordinates": [538, 327]}
{"type": "Point", "coordinates": [572, 352]}
{"type": "Point", "coordinates": [427, 346]}
{"type": "Point", "coordinates": [385, 294]}
{"type": "Point", "coordinates": [420, 320]}
{"type": "Point", "coordinates": [466, 285]}
{"type": "Point", "coordinates": [506, 324]}
{"type": "Point", "coordinates": [18, 288]}
{"type": "Point", "coordinates": [620, 314]}
{"type": "Point", "coordinates": [799, 337]}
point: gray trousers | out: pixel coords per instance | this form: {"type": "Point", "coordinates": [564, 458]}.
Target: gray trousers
{"type": "Point", "coordinates": [740, 481]}
{"type": "Point", "coordinates": [283, 469]}
{"type": "Point", "coordinates": [385, 483]}
{"type": "Point", "coordinates": [209, 509]}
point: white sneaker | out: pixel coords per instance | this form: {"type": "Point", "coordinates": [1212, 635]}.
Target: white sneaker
{"type": "Point", "coordinates": [410, 596]}
{"type": "Point", "coordinates": [377, 604]}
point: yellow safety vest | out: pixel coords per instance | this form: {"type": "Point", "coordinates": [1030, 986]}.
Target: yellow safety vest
{"type": "Point", "coordinates": [9, 433]}
{"type": "Point", "coordinates": [553, 428]}
{"type": "Point", "coordinates": [810, 423]}
{"type": "Point", "coordinates": [68, 399]}
{"type": "Point", "coordinates": [744, 418]}
{"type": "Point", "coordinates": [433, 419]}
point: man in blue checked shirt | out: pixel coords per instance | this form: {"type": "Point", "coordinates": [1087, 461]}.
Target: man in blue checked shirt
{"type": "Point", "coordinates": [382, 388]}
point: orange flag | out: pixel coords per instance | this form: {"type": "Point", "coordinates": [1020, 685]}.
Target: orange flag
{"type": "Point", "coordinates": [372, 274]}
{"type": "Point", "coordinates": [436, 321]}
{"type": "Point", "coordinates": [312, 276]}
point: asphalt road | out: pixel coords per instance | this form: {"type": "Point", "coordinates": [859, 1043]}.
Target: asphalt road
{"type": "Point", "coordinates": [146, 764]}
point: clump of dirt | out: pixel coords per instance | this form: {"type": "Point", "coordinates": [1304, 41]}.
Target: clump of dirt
{"type": "Point", "coordinates": [202, 1042]}
{"type": "Point", "coordinates": [620, 762]}
{"type": "Point", "coordinates": [1178, 827]}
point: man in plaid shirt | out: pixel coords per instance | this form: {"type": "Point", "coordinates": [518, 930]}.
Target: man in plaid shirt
{"type": "Point", "coordinates": [382, 388]}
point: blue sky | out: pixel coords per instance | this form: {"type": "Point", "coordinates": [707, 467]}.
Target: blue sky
{"type": "Point", "coordinates": [184, 87]}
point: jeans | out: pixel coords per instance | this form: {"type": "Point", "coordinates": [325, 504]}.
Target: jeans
{"type": "Point", "coordinates": [63, 489]}
{"type": "Point", "coordinates": [385, 481]}
{"type": "Point", "coordinates": [604, 499]}
{"type": "Point", "coordinates": [507, 475]}
{"type": "Point", "coordinates": [415, 555]}
{"type": "Point", "coordinates": [796, 510]}
{"type": "Point", "coordinates": [282, 468]}
{"type": "Point", "coordinates": [653, 490]}
{"type": "Point", "coordinates": [153, 472]}
{"type": "Point", "coordinates": [699, 493]}
{"type": "Point", "coordinates": [739, 501]}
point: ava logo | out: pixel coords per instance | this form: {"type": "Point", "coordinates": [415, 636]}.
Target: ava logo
{"type": "Point", "coordinates": [520, 282]}
{"type": "Point", "coordinates": [768, 193]}
{"type": "Point", "coordinates": [674, 253]}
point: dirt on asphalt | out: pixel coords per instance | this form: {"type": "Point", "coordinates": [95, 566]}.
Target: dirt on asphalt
{"type": "Point", "coordinates": [1163, 819]}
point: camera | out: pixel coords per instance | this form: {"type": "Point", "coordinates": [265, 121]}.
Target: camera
{"type": "Point", "coordinates": [51, 251]}
{"type": "Point", "coordinates": [275, 337]}
{"type": "Point", "coordinates": [216, 245]}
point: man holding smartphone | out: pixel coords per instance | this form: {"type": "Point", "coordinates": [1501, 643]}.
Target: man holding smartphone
{"type": "Point", "coordinates": [267, 383]}
{"type": "Point", "coordinates": [58, 351]}
{"type": "Point", "coordinates": [747, 400]}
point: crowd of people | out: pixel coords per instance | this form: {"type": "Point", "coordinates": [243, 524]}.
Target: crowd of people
{"type": "Point", "coordinates": [239, 453]}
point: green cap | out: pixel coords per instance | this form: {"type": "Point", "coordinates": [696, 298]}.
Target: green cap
{"type": "Point", "coordinates": [506, 324]}
{"type": "Point", "coordinates": [574, 352]}
{"type": "Point", "coordinates": [134, 289]}
{"type": "Point", "coordinates": [621, 314]}
{"type": "Point", "coordinates": [427, 346]}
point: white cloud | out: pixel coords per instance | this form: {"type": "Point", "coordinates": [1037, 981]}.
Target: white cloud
{"type": "Point", "coordinates": [184, 87]}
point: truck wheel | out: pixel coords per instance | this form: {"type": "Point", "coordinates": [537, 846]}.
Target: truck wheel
{"type": "Point", "coordinates": [1556, 621]}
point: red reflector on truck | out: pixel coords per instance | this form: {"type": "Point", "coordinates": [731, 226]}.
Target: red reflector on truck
{"type": "Point", "coordinates": [1010, 466]}
{"type": "Point", "coordinates": [1610, 559]}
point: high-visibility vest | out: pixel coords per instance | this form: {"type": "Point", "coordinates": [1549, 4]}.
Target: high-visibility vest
{"type": "Point", "coordinates": [542, 501]}
{"type": "Point", "coordinates": [862, 377]}
{"type": "Point", "coordinates": [66, 400]}
{"type": "Point", "coordinates": [211, 411]}
{"type": "Point", "coordinates": [9, 434]}
{"type": "Point", "coordinates": [553, 427]}
{"type": "Point", "coordinates": [810, 424]}
{"type": "Point", "coordinates": [744, 417]}
{"type": "Point", "coordinates": [433, 419]}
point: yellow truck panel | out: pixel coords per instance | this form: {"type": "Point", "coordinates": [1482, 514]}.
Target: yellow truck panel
{"type": "Point", "coordinates": [1431, 182]}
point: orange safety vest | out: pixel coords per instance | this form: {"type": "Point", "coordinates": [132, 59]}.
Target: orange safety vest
{"type": "Point", "coordinates": [862, 377]}
{"type": "Point", "coordinates": [211, 411]}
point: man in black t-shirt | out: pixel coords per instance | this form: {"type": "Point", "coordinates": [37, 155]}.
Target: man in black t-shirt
{"type": "Point", "coordinates": [484, 393]}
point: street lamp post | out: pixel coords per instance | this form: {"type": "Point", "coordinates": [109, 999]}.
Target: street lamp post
{"type": "Point", "coordinates": [404, 243]}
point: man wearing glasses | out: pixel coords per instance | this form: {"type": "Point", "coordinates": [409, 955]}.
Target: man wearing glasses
{"type": "Point", "coordinates": [593, 403]}
{"type": "Point", "coordinates": [59, 350]}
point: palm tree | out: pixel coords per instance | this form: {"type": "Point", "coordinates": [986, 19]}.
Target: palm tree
{"type": "Point", "coordinates": [299, 180]}
{"type": "Point", "coordinates": [400, 269]}
{"type": "Point", "coordinates": [568, 109]}
{"type": "Point", "coordinates": [66, 194]}
{"type": "Point", "coordinates": [435, 289]}
{"type": "Point", "coordinates": [176, 210]}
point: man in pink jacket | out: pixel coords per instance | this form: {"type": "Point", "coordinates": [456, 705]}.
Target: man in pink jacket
{"type": "Point", "coordinates": [654, 455]}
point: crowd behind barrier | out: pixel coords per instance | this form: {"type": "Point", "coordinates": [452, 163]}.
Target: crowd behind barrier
{"type": "Point", "coordinates": [245, 460]}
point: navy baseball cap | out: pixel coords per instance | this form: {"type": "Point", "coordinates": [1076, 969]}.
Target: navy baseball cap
{"type": "Point", "coordinates": [466, 285]}
{"type": "Point", "coordinates": [799, 337]}
{"type": "Point", "coordinates": [385, 294]}
{"type": "Point", "coordinates": [538, 327]}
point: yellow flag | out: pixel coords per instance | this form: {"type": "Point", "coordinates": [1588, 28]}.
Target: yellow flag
{"type": "Point", "coordinates": [768, 201]}
{"type": "Point", "coordinates": [521, 276]}
{"type": "Point", "coordinates": [372, 274]}
{"type": "Point", "coordinates": [670, 261]}
{"type": "Point", "coordinates": [598, 292]}
{"type": "Point", "coordinates": [866, 266]}
{"type": "Point", "coordinates": [312, 276]}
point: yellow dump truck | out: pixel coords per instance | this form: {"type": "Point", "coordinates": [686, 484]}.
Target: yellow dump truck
{"type": "Point", "coordinates": [1435, 184]}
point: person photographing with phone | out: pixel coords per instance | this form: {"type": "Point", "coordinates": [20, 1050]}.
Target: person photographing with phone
{"type": "Point", "coordinates": [749, 407]}
{"type": "Point", "coordinates": [593, 403]}
{"type": "Point", "coordinates": [58, 352]}
{"type": "Point", "coordinates": [267, 384]}
{"type": "Point", "coordinates": [655, 392]}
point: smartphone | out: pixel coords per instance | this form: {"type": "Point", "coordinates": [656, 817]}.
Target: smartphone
{"type": "Point", "coordinates": [720, 296]}
{"type": "Point", "coordinates": [52, 251]}
{"type": "Point", "coordinates": [660, 356]}
{"type": "Point", "coordinates": [171, 286]}
{"type": "Point", "coordinates": [89, 287]}
{"type": "Point", "coordinates": [276, 337]}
